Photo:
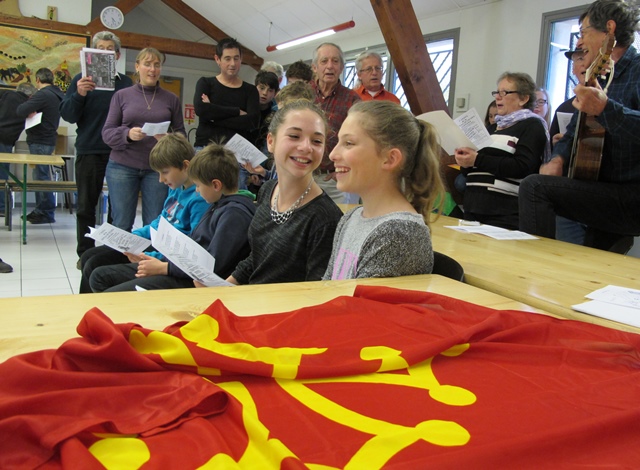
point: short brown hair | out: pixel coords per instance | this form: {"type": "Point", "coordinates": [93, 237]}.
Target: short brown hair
{"type": "Point", "coordinates": [295, 91]}
{"type": "Point", "coordinates": [215, 162]}
{"type": "Point", "coordinates": [170, 152]}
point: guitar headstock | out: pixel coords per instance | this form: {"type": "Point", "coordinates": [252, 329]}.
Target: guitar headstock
{"type": "Point", "coordinates": [600, 65]}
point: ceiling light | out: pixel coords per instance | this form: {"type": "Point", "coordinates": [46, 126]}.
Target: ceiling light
{"type": "Point", "coordinates": [312, 36]}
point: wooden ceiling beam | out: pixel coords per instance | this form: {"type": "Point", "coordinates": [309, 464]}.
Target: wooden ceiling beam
{"type": "Point", "coordinates": [402, 34]}
{"type": "Point", "coordinates": [248, 56]}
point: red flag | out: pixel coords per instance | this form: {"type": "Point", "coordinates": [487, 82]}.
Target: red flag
{"type": "Point", "coordinates": [386, 378]}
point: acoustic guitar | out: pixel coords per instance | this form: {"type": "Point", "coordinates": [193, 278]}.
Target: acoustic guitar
{"type": "Point", "coordinates": [588, 140]}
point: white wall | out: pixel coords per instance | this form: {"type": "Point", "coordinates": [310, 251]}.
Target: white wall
{"type": "Point", "coordinates": [69, 11]}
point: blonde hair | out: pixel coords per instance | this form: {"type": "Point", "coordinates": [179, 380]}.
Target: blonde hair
{"type": "Point", "coordinates": [392, 126]}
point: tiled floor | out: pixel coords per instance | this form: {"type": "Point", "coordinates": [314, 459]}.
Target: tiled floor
{"type": "Point", "coordinates": [46, 265]}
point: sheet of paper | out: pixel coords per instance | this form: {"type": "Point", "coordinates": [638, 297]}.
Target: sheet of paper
{"type": "Point", "coordinates": [465, 131]}
{"type": "Point", "coordinates": [187, 255]}
{"type": "Point", "coordinates": [597, 308]}
{"type": "Point", "coordinates": [617, 295]}
{"type": "Point", "coordinates": [474, 128]}
{"type": "Point", "coordinates": [153, 233]}
{"type": "Point", "coordinates": [451, 136]}
{"type": "Point", "coordinates": [141, 289]}
{"type": "Point", "coordinates": [118, 239]}
{"type": "Point", "coordinates": [497, 233]}
{"type": "Point", "coordinates": [33, 121]}
{"type": "Point", "coordinates": [563, 121]}
{"type": "Point", "coordinates": [621, 304]}
{"type": "Point", "coordinates": [152, 129]}
{"type": "Point", "coordinates": [245, 151]}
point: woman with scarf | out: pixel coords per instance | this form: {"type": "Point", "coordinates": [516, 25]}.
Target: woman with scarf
{"type": "Point", "coordinates": [520, 143]}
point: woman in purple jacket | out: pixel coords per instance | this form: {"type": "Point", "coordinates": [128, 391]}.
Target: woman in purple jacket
{"type": "Point", "coordinates": [128, 171]}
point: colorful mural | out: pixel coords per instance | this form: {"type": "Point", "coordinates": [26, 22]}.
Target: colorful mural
{"type": "Point", "coordinates": [25, 50]}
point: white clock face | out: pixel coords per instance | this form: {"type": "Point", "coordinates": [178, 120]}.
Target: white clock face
{"type": "Point", "coordinates": [112, 17]}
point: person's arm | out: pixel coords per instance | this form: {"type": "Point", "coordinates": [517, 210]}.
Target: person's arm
{"type": "Point", "coordinates": [251, 119]}
{"type": "Point", "coordinates": [328, 274]}
{"type": "Point", "coordinates": [114, 134]}
{"type": "Point", "coordinates": [524, 161]}
{"type": "Point", "coordinates": [396, 248]}
{"type": "Point", "coordinates": [210, 111]}
{"type": "Point", "coordinates": [319, 248]}
{"type": "Point", "coordinates": [32, 105]}
{"type": "Point", "coordinates": [72, 106]}
{"type": "Point", "coordinates": [177, 120]}
{"type": "Point", "coordinates": [620, 120]}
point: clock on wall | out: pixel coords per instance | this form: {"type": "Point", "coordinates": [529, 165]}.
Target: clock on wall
{"type": "Point", "coordinates": [112, 17]}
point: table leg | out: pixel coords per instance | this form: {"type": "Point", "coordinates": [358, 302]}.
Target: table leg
{"type": "Point", "coordinates": [24, 204]}
{"type": "Point", "coordinates": [23, 185]}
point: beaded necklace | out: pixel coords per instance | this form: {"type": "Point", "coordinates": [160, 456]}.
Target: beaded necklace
{"type": "Point", "coordinates": [281, 217]}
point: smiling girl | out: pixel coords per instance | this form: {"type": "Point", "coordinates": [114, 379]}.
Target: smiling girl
{"type": "Point", "coordinates": [391, 160]}
{"type": "Point", "coordinates": [292, 230]}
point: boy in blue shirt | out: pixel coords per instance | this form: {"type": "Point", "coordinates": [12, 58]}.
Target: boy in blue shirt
{"type": "Point", "coordinates": [223, 230]}
{"type": "Point", "coordinates": [183, 207]}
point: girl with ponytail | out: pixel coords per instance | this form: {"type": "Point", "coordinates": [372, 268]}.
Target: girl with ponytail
{"type": "Point", "coordinates": [391, 160]}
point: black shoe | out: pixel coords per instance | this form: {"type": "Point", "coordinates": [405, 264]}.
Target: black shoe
{"type": "Point", "coordinates": [37, 219]}
{"type": "Point", "coordinates": [30, 215]}
{"type": "Point", "coordinates": [5, 268]}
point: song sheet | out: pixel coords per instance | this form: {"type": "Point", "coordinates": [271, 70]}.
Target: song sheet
{"type": "Point", "coordinates": [186, 254]}
{"type": "Point", "coordinates": [245, 151]}
{"type": "Point", "coordinates": [118, 239]}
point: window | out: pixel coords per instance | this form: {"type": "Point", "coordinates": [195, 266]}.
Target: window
{"type": "Point", "coordinates": [442, 48]}
{"type": "Point", "coordinates": [559, 34]}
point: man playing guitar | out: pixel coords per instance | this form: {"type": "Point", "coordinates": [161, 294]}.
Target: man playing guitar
{"type": "Point", "coordinates": [610, 205]}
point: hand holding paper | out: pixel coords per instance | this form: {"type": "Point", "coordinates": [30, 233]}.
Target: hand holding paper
{"type": "Point", "coordinates": [156, 128]}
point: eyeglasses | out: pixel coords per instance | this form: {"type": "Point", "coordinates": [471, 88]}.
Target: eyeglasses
{"type": "Point", "coordinates": [540, 102]}
{"type": "Point", "coordinates": [582, 30]}
{"type": "Point", "coordinates": [501, 93]}
{"type": "Point", "coordinates": [371, 69]}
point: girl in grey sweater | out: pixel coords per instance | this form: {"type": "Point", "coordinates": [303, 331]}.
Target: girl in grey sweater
{"type": "Point", "coordinates": [391, 160]}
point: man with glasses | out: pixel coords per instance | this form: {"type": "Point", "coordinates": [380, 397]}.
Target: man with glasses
{"type": "Point", "coordinates": [609, 206]}
{"type": "Point", "coordinates": [370, 74]}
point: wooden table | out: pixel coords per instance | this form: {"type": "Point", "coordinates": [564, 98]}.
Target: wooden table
{"type": "Point", "coordinates": [27, 159]}
{"type": "Point", "coordinates": [547, 274]}
{"type": "Point", "coordinates": [33, 323]}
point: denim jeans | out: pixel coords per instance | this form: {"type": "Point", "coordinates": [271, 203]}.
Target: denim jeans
{"type": "Point", "coordinates": [45, 201]}
{"type": "Point", "coordinates": [609, 210]}
{"type": "Point", "coordinates": [125, 183]}
{"type": "Point", "coordinates": [570, 231]}
{"type": "Point", "coordinates": [4, 172]}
